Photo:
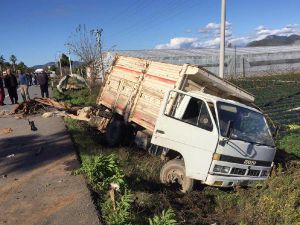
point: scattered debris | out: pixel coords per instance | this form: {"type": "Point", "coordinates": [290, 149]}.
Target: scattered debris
{"type": "Point", "coordinates": [10, 156]}
{"type": "Point", "coordinates": [38, 105]}
{"type": "Point", "coordinates": [54, 114]}
{"type": "Point", "coordinates": [4, 113]}
{"type": "Point", "coordinates": [96, 116]}
{"type": "Point", "coordinates": [83, 114]}
{"type": "Point", "coordinates": [5, 131]}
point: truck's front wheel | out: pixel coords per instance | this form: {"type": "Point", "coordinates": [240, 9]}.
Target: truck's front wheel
{"type": "Point", "coordinates": [174, 172]}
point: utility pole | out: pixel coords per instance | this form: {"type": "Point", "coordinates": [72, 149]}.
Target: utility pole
{"type": "Point", "coordinates": [59, 62]}
{"type": "Point", "coordinates": [244, 72]}
{"type": "Point", "coordinates": [234, 61]}
{"type": "Point", "coordinates": [222, 39]}
{"type": "Point", "coordinates": [99, 44]}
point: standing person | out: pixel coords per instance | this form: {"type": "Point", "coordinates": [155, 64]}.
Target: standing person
{"type": "Point", "coordinates": [42, 79]}
{"type": "Point", "coordinates": [11, 84]}
{"type": "Point", "coordinates": [2, 94]}
{"type": "Point", "coordinates": [24, 82]}
{"type": "Point", "coordinates": [34, 80]}
{"type": "Point", "coordinates": [29, 79]}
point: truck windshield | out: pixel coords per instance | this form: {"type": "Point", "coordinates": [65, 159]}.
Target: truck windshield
{"type": "Point", "coordinates": [248, 125]}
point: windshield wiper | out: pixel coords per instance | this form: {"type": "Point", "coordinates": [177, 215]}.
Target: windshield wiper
{"type": "Point", "coordinates": [252, 142]}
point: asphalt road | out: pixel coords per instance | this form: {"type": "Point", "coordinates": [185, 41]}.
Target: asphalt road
{"type": "Point", "coordinates": [36, 185]}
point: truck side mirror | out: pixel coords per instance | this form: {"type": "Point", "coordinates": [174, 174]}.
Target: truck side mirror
{"type": "Point", "coordinates": [229, 129]}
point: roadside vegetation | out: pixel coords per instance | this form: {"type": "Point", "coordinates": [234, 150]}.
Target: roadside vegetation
{"type": "Point", "coordinates": [137, 197]}
{"type": "Point", "coordinates": [81, 97]}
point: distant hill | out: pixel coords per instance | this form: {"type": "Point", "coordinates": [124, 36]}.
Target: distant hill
{"type": "Point", "coordinates": [274, 40]}
{"type": "Point", "coordinates": [75, 65]}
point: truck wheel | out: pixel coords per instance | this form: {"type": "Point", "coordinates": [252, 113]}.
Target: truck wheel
{"type": "Point", "coordinates": [174, 172]}
{"type": "Point", "coordinates": [115, 133]}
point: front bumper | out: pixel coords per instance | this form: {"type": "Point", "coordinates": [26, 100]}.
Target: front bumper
{"type": "Point", "coordinates": [232, 178]}
{"type": "Point", "coordinates": [231, 181]}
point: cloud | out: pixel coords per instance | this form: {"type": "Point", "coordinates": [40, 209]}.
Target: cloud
{"type": "Point", "coordinates": [214, 27]}
{"type": "Point", "coordinates": [211, 36]}
{"type": "Point", "coordinates": [292, 25]}
{"type": "Point", "coordinates": [178, 42]}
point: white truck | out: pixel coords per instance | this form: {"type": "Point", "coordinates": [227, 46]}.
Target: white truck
{"type": "Point", "coordinates": [207, 128]}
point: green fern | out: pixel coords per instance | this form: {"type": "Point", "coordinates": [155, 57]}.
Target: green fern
{"type": "Point", "coordinates": [121, 215]}
{"type": "Point", "coordinates": [166, 218]}
{"type": "Point", "coordinates": [102, 170]}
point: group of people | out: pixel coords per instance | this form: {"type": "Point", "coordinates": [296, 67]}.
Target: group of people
{"type": "Point", "coordinates": [22, 81]}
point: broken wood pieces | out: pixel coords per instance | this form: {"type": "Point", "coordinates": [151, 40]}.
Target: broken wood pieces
{"type": "Point", "coordinates": [5, 131]}
{"type": "Point", "coordinates": [37, 105]}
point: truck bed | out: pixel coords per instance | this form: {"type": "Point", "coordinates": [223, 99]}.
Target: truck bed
{"type": "Point", "coordinates": [134, 87]}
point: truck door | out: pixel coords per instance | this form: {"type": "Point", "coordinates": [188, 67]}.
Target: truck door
{"type": "Point", "coordinates": [185, 124]}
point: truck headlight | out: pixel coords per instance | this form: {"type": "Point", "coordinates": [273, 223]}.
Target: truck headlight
{"type": "Point", "coordinates": [221, 169]}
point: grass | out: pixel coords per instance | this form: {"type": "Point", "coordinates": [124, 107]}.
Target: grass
{"type": "Point", "coordinates": [276, 201]}
{"type": "Point", "coordinates": [291, 143]}
{"type": "Point", "coordinates": [78, 98]}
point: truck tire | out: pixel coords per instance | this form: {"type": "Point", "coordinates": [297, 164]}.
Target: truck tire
{"type": "Point", "coordinates": [115, 133]}
{"type": "Point", "coordinates": [174, 172]}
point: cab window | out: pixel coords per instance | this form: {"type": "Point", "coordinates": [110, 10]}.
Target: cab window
{"type": "Point", "coordinates": [190, 110]}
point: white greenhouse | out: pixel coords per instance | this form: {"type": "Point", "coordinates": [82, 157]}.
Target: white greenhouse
{"type": "Point", "coordinates": [248, 61]}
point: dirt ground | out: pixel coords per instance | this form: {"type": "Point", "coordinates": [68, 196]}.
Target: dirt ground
{"type": "Point", "coordinates": [36, 185]}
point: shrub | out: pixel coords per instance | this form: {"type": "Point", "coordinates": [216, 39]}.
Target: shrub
{"type": "Point", "coordinates": [166, 218]}
{"type": "Point", "coordinates": [121, 215]}
{"type": "Point", "coordinates": [102, 170]}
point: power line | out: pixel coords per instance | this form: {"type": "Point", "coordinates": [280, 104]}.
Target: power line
{"type": "Point", "coordinates": [160, 17]}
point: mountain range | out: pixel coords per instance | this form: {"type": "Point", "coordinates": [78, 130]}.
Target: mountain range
{"type": "Point", "coordinates": [75, 64]}
{"type": "Point", "coordinates": [274, 40]}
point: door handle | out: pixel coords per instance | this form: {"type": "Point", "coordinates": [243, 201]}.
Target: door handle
{"type": "Point", "coordinates": [160, 131]}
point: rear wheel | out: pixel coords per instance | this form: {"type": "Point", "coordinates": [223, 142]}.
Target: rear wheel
{"type": "Point", "coordinates": [115, 133]}
{"type": "Point", "coordinates": [173, 172]}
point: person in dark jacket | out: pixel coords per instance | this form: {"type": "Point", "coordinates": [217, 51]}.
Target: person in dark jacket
{"type": "Point", "coordinates": [2, 94]}
{"type": "Point", "coordinates": [11, 84]}
{"type": "Point", "coordinates": [42, 79]}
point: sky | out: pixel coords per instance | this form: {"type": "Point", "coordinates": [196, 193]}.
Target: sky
{"type": "Point", "coordinates": [36, 30]}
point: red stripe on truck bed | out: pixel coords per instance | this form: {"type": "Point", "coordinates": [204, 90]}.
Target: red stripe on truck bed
{"type": "Point", "coordinates": [128, 70]}
{"type": "Point", "coordinates": [165, 80]}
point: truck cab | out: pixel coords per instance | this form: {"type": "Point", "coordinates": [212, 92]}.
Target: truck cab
{"type": "Point", "coordinates": [220, 142]}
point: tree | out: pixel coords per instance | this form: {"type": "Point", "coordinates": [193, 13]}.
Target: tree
{"type": "Point", "coordinates": [64, 60]}
{"type": "Point", "coordinates": [13, 60]}
{"type": "Point", "coordinates": [54, 68]}
{"type": "Point", "coordinates": [21, 66]}
{"type": "Point", "coordinates": [87, 45]}
{"type": "Point", "coordinates": [2, 60]}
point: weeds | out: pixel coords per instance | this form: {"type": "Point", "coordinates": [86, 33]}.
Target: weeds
{"type": "Point", "coordinates": [277, 202]}
{"type": "Point", "coordinates": [121, 215]}
{"type": "Point", "coordinates": [166, 218]}
{"type": "Point", "coordinates": [79, 97]}
{"type": "Point", "coordinates": [102, 170]}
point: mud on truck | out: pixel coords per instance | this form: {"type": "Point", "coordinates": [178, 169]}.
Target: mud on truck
{"type": "Point", "coordinates": [205, 128]}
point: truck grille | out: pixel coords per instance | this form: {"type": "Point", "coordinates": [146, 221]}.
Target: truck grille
{"type": "Point", "coordinates": [253, 173]}
{"type": "Point", "coordinates": [238, 171]}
